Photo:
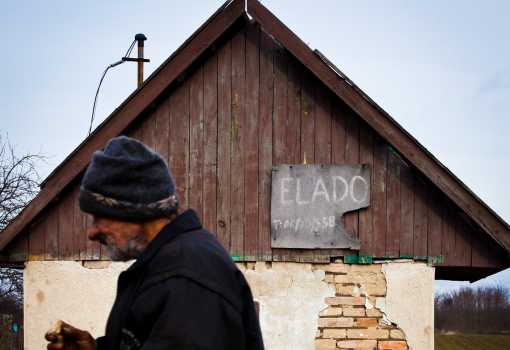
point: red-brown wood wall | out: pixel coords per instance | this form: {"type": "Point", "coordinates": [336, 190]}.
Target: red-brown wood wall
{"type": "Point", "coordinates": [251, 106]}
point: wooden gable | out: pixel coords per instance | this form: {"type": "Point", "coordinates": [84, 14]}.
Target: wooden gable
{"type": "Point", "coordinates": [250, 106]}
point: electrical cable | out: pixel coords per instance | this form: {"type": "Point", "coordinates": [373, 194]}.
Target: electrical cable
{"type": "Point", "coordinates": [128, 53]}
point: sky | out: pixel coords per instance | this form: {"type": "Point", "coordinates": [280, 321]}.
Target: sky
{"type": "Point", "coordinates": [440, 68]}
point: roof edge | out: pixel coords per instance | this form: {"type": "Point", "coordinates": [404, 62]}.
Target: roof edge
{"type": "Point", "coordinates": [230, 13]}
{"type": "Point", "coordinates": [195, 33]}
{"type": "Point", "coordinates": [386, 126]}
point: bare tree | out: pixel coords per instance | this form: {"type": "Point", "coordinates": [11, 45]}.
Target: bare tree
{"type": "Point", "coordinates": [473, 310]}
{"type": "Point", "coordinates": [19, 180]}
{"type": "Point", "coordinates": [11, 293]}
{"type": "Point", "coordinates": [19, 184]}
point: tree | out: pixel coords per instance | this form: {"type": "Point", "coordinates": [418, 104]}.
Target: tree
{"type": "Point", "coordinates": [11, 293]}
{"type": "Point", "coordinates": [19, 184]}
{"type": "Point", "coordinates": [19, 180]}
{"type": "Point", "coordinates": [473, 310]}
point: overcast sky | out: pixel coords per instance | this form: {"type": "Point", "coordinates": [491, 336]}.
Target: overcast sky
{"type": "Point", "coordinates": [440, 68]}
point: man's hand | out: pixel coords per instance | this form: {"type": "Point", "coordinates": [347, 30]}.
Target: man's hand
{"type": "Point", "coordinates": [74, 339]}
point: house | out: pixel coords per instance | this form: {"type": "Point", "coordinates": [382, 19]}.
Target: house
{"type": "Point", "coordinates": [238, 102]}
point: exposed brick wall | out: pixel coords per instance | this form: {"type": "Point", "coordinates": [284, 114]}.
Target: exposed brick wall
{"type": "Point", "coordinates": [351, 320]}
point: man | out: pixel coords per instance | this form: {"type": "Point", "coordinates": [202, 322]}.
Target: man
{"type": "Point", "coordinates": [184, 291]}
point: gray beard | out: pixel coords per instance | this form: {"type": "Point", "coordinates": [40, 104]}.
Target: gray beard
{"type": "Point", "coordinates": [131, 250]}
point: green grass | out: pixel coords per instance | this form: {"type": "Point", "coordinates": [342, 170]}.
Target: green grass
{"type": "Point", "coordinates": [471, 342]}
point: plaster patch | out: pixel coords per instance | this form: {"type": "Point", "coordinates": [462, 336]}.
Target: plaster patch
{"type": "Point", "coordinates": [410, 302]}
{"type": "Point", "coordinates": [368, 305]}
{"type": "Point", "coordinates": [291, 295]}
{"type": "Point", "coordinates": [68, 291]}
{"type": "Point", "coordinates": [380, 303]}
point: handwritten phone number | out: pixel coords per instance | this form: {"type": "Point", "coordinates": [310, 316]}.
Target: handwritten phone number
{"type": "Point", "coordinates": [299, 224]}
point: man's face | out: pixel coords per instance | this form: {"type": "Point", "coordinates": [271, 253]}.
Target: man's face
{"type": "Point", "coordinates": [123, 240]}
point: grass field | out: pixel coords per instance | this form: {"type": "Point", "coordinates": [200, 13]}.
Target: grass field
{"type": "Point", "coordinates": [471, 342]}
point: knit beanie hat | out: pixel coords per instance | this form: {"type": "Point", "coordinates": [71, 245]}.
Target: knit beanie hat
{"type": "Point", "coordinates": [128, 181]}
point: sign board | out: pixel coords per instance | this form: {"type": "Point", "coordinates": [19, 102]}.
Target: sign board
{"type": "Point", "coordinates": [309, 200]}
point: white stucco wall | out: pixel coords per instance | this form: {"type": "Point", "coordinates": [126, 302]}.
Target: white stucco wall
{"type": "Point", "coordinates": [410, 301]}
{"type": "Point", "coordinates": [291, 296]}
{"type": "Point", "coordinates": [68, 291]}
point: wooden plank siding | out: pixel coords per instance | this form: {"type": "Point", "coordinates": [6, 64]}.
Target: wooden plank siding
{"type": "Point", "coordinates": [307, 134]}
{"type": "Point", "coordinates": [266, 83]}
{"type": "Point", "coordinates": [352, 154]}
{"type": "Point", "coordinates": [36, 240]}
{"type": "Point", "coordinates": [293, 127]}
{"type": "Point", "coordinates": [251, 142]}
{"type": "Point", "coordinates": [210, 143]}
{"type": "Point", "coordinates": [338, 136]}
{"type": "Point", "coordinates": [280, 117]}
{"type": "Point", "coordinates": [237, 146]}
{"type": "Point", "coordinates": [18, 249]}
{"type": "Point", "coordinates": [51, 234]}
{"type": "Point", "coordinates": [66, 226]}
{"type": "Point", "coordinates": [366, 156]}
{"type": "Point", "coordinates": [251, 106]}
{"type": "Point", "coordinates": [322, 146]}
{"type": "Point", "coordinates": [196, 142]}
{"type": "Point", "coordinates": [224, 137]}
{"type": "Point", "coordinates": [80, 233]}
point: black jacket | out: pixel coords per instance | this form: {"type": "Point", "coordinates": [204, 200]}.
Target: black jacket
{"type": "Point", "coordinates": [183, 292]}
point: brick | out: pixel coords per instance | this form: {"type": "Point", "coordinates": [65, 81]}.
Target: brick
{"type": "Point", "coordinates": [365, 278]}
{"type": "Point", "coordinates": [357, 344]}
{"type": "Point", "coordinates": [318, 333]}
{"type": "Point", "coordinates": [323, 267]}
{"type": "Point", "coordinates": [331, 311]}
{"type": "Point", "coordinates": [383, 324]}
{"type": "Point", "coordinates": [369, 284]}
{"type": "Point", "coordinates": [96, 264]}
{"type": "Point", "coordinates": [335, 322]}
{"type": "Point", "coordinates": [329, 278]}
{"type": "Point", "coordinates": [347, 289]}
{"type": "Point", "coordinates": [366, 322]}
{"type": "Point", "coordinates": [358, 311]}
{"type": "Point", "coordinates": [378, 288]}
{"type": "Point", "coordinates": [342, 279]}
{"type": "Point", "coordinates": [368, 333]}
{"type": "Point", "coordinates": [345, 301]}
{"type": "Point", "coordinates": [392, 344]}
{"type": "Point", "coordinates": [334, 333]}
{"type": "Point", "coordinates": [366, 269]}
{"type": "Point", "coordinates": [241, 266]}
{"type": "Point", "coordinates": [397, 334]}
{"type": "Point", "coordinates": [373, 312]}
{"type": "Point", "coordinates": [338, 268]}
{"type": "Point", "coordinates": [325, 344]}
{"type": "Point", "coordinates": [261, 266]}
